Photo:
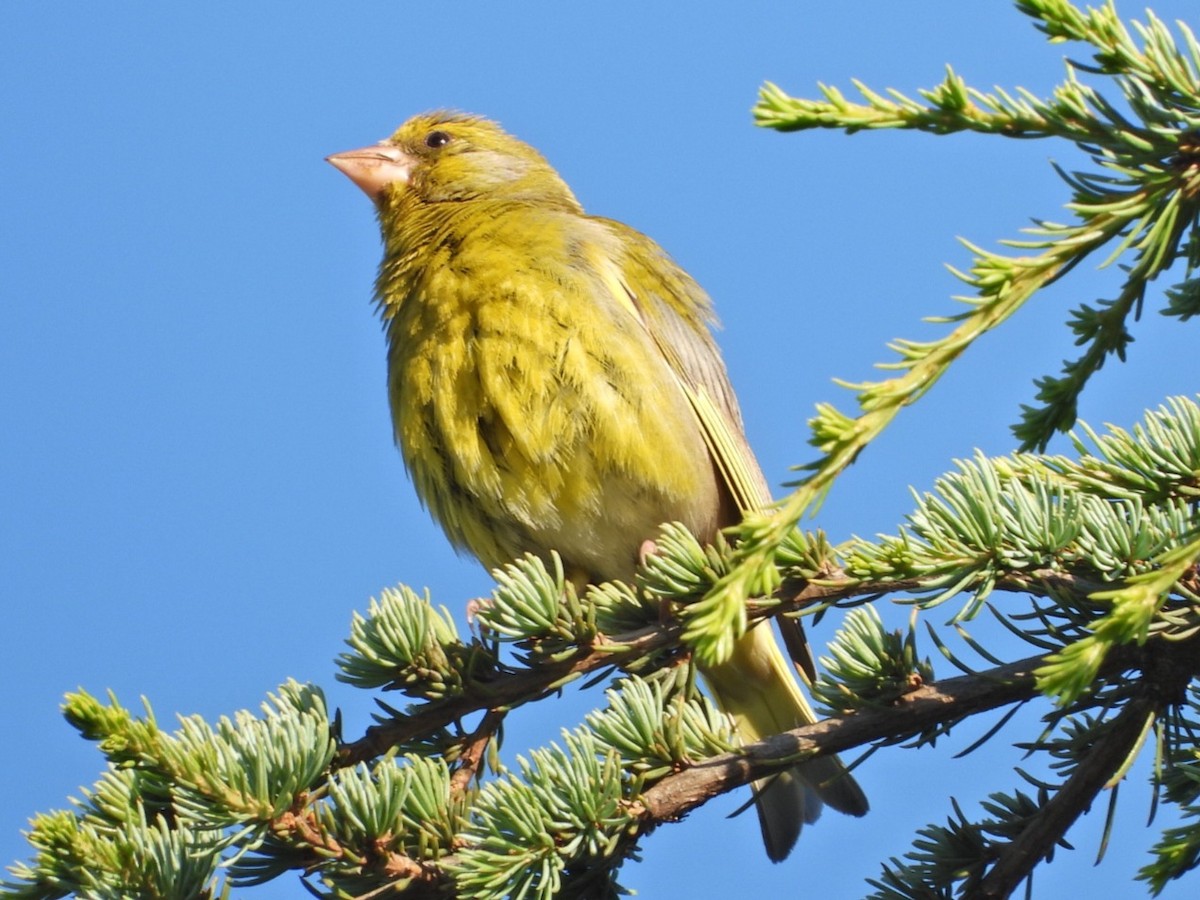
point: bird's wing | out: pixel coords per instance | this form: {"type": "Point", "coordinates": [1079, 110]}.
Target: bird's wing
{"type": "Point", "coordinates": [676, 313]}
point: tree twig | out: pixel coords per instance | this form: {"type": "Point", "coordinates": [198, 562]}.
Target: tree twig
{"type": "Point", "coordinates": [931, 705]}
{"type": "Point", "coordinates": [935, 704]}
{"type": "Point", "coordinates": [474, 748]}
{"type": "Point", "coordinates": [1168, 667]}
{"type": "Point", "coordinates": [506, 692]}
{"type": "Point", "coordinates": [510, 689]}
{"type": "Point", "coordinates": [1045, 829]}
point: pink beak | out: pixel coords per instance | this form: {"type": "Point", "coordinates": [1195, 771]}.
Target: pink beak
{"type": "Point", "coordinates": [374, 168]}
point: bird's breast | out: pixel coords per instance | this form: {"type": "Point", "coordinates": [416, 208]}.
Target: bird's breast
{"type": "Point", "coordinates": [532, 418]}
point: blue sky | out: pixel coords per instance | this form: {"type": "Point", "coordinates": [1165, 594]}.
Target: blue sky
{"type": "Point", "coordinates": [197, 478]}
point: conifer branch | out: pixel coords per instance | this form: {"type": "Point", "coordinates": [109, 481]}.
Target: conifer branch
{"type": "Point", "coordinates": [926, 707]}
{"type": "Point", "coordinates": [1142, 200]}
{"type": "Point", "coordinates": [1016, 861]}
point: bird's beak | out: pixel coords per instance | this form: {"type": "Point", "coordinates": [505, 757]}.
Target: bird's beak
{"type": "Point", "coordinates": [374, 168]}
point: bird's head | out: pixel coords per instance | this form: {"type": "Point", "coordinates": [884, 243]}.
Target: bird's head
{"type": "Point", "coordinates": [450, 157]}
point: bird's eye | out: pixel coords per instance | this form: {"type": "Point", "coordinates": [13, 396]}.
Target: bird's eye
{"type": "Point", "coordinates": [437, 139]}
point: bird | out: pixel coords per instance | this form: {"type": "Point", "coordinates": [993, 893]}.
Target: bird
{"type": "Point", "coordinates": [555, 385]}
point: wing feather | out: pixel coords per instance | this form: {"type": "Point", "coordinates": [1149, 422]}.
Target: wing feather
{"type": "Point", "coordinates": [677, 314]}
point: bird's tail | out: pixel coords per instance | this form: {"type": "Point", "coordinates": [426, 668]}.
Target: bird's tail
{"type": "Point", "coordinates": [757, 688]}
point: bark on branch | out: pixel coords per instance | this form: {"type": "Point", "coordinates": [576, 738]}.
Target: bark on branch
{"type": "Point", "coordinates": [509, 689]}
{"type": "Point", "coordinates": [935, 704]}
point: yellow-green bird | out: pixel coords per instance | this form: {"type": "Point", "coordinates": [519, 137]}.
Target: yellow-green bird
{"type": "Point", "coordinates": [554, 385]}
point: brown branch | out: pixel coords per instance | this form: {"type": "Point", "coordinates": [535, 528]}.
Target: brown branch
{"type": "Point", "coordinates": [836, 585]}
{"type": "Point", "coordinates": [424, 879]}
{"type": "Point", "coordinates": [1168, 667]}
{"type": "Point", "coordinates": [507, 690]}
{"type": "Point", "coordinates": [1048, 826]}
{"type": "Point", "coordinates": [927, 707]}
{"type": "Point", "coordinates": [474, 748]}
{"type": "Point", "coordinates": [936, 704]}
{"type": "Point", "coordinates": [677, 794]}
